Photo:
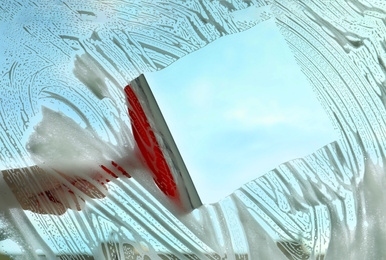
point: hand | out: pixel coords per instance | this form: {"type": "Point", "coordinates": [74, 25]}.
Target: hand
{"type": "Point", "coordinates": [52, 192]}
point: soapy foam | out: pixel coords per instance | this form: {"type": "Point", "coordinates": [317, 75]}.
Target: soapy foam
{"type": "Point", "coordinates": [60, 143]}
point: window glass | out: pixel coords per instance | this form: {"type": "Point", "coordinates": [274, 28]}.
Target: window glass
{"type": "Point", "coordinates": [90, 169]}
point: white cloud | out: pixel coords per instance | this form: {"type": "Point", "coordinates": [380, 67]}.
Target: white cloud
{"type": "Point", "coordinates": [201, 94]}
{"type": "Point", "coordinates": [247, 118]}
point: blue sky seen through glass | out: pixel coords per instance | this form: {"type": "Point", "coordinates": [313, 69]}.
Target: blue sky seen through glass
{"type": "Point", "coordinates": [238, 108]}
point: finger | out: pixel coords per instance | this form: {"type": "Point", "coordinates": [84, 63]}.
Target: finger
{"type": "Point", "coordinates": [91, 190]}
{"type": "Point", "coordinates": [86, 187]}
{"type": "Point", "coordinates": [69, 199]}
{"type": "Point", "coordinates": [45, 203]}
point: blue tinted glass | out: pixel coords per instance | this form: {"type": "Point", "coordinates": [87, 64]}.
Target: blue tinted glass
{"type": "Point", "coordinates": [89, 167]}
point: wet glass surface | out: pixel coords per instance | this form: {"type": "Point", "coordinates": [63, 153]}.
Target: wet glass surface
{"type": "Point", "coordinates": [88, 168]}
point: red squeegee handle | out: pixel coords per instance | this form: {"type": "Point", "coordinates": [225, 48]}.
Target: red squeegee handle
{"type": "Point", "coordinates": [149, 146]}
